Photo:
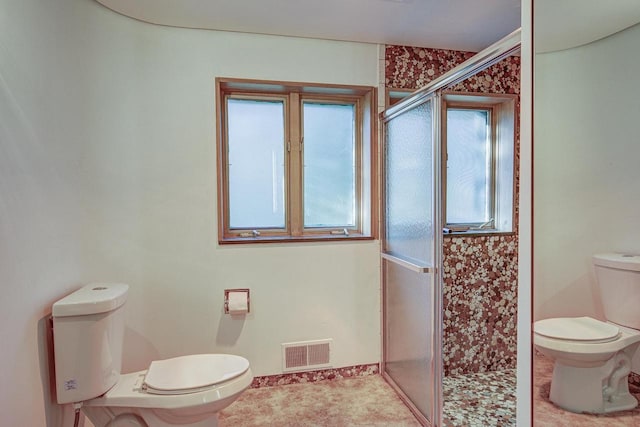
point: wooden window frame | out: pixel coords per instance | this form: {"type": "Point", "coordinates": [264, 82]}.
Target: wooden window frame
{"type": "Point", "coordinates": [502, 112]}
{"type": "Point", "coordinates": [393, 96]}
{"type": "Point", "coordinates": [294, 95]}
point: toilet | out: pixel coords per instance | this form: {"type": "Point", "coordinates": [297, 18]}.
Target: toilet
{"type": "Point", "coordinates": [188, 391]}
{"type": "Point", "coordinates": [593, 358]}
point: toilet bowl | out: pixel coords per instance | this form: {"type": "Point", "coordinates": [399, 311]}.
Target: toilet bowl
{"type": "Point", "coordinates": [593, 358]}
{"type": "Point", "coordinates": [592, 361]}
{"type": "Point", "coordinates": [185, 391]}
{"type": "Point", "coordinates": [188, 391]}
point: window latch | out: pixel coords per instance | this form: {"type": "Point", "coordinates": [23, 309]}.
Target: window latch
{"type": "Point", "coordinates": [343, 232]}
{"type": "Point", "coordinates": [488, 224]}
{"type": "Point", "coordinates": [252, 233]}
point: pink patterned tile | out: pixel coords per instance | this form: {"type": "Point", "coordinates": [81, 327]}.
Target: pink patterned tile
{"type": "Point", "coordinates": [480, 272]}
{"type": "Point", "coordinates": [315, 376]}
{"type": "Point", "coordinates": [480, 304]}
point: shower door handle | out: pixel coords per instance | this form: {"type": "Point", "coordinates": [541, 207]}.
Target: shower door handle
{"type": "Point", "coordinates": [411, 265]}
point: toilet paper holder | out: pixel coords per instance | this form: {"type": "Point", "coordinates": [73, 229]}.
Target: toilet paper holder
{"type": "Point", "coordinates": [226, 298]}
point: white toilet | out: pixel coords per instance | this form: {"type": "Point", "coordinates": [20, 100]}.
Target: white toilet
{"type": "Point", "coordinates": [88, 329]}
{"type": "Point", "coordinates": [592, 357]}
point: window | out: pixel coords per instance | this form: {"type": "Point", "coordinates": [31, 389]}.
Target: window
{"type": "Point", "coordinates": [295, 161]}
{"type": "Point", "coordinates": [396, 95]}
{"type": "Point", "coordinates": [478, 149]}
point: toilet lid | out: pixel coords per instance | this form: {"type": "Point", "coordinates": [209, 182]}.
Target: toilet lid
{"type": "Point", "coordinates": [193, 373]}
{"type": "Point", "coordinates": [583, 329]}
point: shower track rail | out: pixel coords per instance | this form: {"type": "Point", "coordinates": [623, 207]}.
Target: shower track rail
{"type": "Point", "coordinates": [479, 62]}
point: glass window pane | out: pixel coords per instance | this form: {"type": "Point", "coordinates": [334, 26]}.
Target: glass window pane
{"type": "Point", "coordinates": [256, 163]}
{"type": "Point", "coordinates": [468, 166]}
{"type": "Point", "coordinates": [409, 185]}
{"type": "Point", "coordinates": [329, 165]}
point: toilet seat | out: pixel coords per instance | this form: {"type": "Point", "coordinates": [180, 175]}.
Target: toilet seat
{"type": "Point", "coordinates": [585, 330]}
{"type": "Point", "coordinates": [131, 391]}
{"type": "Point", "coordinates": [192, 373]}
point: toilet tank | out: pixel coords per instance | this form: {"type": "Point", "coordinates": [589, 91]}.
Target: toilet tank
{"type": "Point", "coordinates": [88, 331]}
{"type": "Point", "coordinates": [618, 277]}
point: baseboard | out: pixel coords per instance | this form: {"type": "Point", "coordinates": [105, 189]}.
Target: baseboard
{"type": "Point", "coordinates": [315, 376]}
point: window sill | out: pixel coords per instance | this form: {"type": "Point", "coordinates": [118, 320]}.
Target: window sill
{"type": "Point", "coordinates": [477, 233]}
{"type": "Point", "coordinates": [291, 239]}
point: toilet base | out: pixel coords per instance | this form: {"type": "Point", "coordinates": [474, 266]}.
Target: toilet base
{"type": "Point", "coordinates": [102, 416]}
{"type": "Point", "coordinates": [595, 390]}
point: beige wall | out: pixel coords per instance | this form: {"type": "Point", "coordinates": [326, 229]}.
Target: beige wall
{"type": "Point", "coordinates": [107, 173]}
{"type": "Point", "coordinates": [586, 174]}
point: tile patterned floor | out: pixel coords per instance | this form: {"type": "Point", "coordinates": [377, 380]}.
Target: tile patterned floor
{"type": "Point", "coordinates": [481, 400]}
{"type": "Point", "coordinates": [546, 414]}
{"type": "Point", "coordinates": [364, 401]}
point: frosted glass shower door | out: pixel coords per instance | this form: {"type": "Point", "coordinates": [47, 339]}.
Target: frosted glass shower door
{"type": "Point", "coordinates": [411, 361]}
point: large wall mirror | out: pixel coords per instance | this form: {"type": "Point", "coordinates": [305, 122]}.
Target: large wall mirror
{"type": "Point", "coordinates": [586, 199]}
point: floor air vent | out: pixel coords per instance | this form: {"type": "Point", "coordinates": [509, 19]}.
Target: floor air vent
{"type": "Point", "coordinates": [306, 355]}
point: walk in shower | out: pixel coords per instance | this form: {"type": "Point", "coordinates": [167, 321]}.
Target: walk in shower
{"type": "Point", "coordinates": [412, 240]}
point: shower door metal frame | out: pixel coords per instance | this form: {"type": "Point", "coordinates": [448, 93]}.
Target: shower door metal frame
{"type": "Point", "coordinates": [435, 269]}
{"type": "Point", "coordinates": [503, 48]}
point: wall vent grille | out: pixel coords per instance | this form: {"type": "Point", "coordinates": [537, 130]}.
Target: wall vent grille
{"type": "Point", "coordinates": [306, 355]}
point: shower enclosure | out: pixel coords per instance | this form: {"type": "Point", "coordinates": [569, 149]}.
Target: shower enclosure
{"type": "Point", "coordinates": [412, 238]}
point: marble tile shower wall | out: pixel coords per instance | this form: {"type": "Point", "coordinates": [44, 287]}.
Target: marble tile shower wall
{"type": "Point", "coordinates": [480, 272]}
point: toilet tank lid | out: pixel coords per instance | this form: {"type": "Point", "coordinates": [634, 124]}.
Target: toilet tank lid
{"type": "Point", "coordinates": [93, 298]}
{"type": "Point", "coordinates": [620, 261]}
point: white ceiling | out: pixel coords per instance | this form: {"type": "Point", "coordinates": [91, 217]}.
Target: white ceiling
{"type": "Point", "coordinates": [469, 25]}
{"type": "Point", "coordinates": [563, 24]}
